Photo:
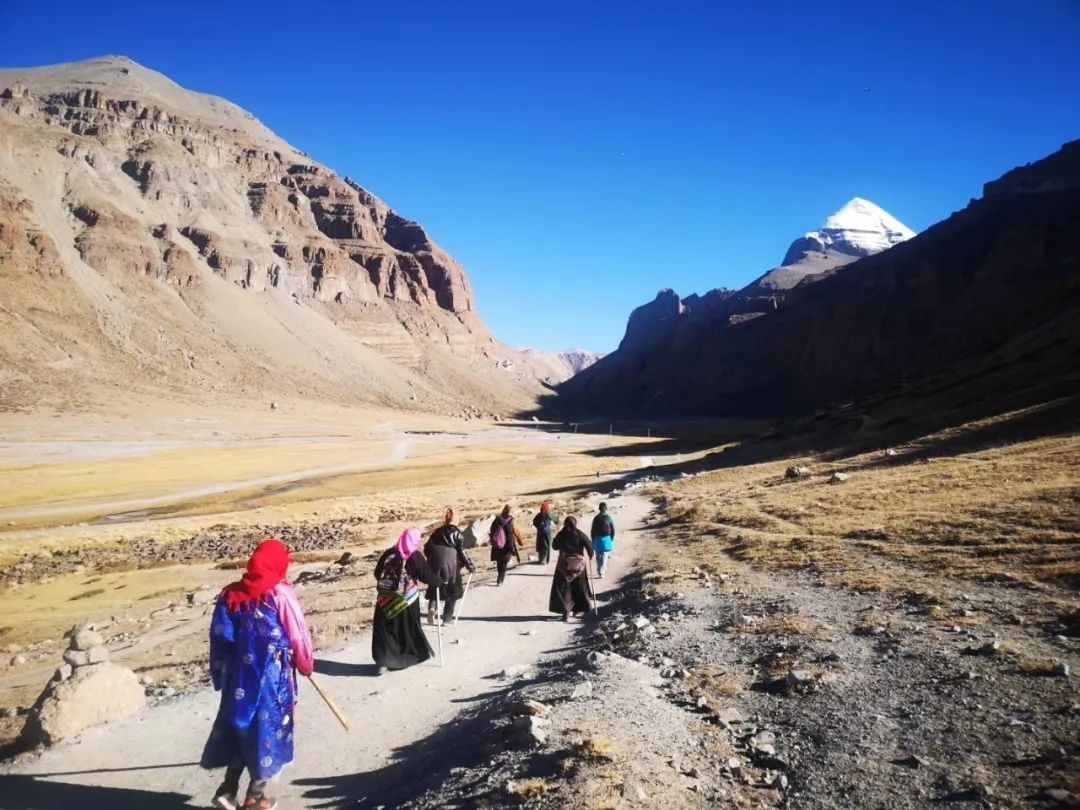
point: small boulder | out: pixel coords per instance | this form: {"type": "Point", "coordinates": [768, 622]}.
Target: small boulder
{"type": "Point", "coordinates": [76, 658]}
{"type": "Point", "coordinates": [92, 695]}
{"type": "Point", "coordinates": [203, 596]}
{"type": "Point", "coordinates": [85, 637]}
{"type": "Point", "coordinates": [838, 478]}
{"type": "Point", "coordinates": [583, 689]}
{"type": "Point", "coordinates": [796, 471]}
{"type": "Point", "coordinates": [531, 707]}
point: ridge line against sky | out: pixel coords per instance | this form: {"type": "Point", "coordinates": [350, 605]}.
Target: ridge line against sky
{"type": "Point", "coordinates": [577, 157]}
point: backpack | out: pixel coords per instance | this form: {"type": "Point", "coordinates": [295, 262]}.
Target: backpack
{"type": "Point", "coordinates": [498, 536]}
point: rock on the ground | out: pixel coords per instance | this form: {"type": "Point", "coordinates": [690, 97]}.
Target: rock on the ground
{"type": "Point", "coordinates": [797, 472]}
{"type": "Point", "coordinates": [838, 478]}
{"type": "Point", "coordinates": [532, 707]}
{"type": "Point", "coordinates": [583, 689]}
{"type": "Point", "coordinates": [94, 694]}
{"type": "Point", "coordinates": [85, 637]}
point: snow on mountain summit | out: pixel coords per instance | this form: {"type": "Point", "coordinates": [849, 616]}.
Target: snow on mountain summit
{"type": "Point", "coordinates": [860, 228]}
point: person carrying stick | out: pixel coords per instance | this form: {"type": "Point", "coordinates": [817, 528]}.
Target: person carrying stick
{"type": "Point", "coordinates": [446, 556]}
{"type": "Point", "coordinates": [259, 641]}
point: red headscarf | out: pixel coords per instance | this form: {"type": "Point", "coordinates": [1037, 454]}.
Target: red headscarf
{"type": "Point", "coordinates": [266, 568]}
{"type": "Point", "coordinates": [545, 508]}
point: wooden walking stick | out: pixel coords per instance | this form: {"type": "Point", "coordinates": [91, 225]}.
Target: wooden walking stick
{"type": "Point", "coordinates": [457, 610]}
{"type": "Point", "coordinates": [438, 622]}
{"type": "Point", "coordinates": [330, 703]}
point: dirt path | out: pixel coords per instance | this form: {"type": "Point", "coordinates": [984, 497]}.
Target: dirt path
{"type": "Point", "coordinates": [150, 761]}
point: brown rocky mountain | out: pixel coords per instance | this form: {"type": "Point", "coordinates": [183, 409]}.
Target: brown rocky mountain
{"type": "Point", "coordinates": [160, 239]}
{"type": "Point", "coordinates": [993, 286]}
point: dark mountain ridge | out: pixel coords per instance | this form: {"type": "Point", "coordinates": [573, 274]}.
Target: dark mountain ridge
{"type": "Point", "coordinates": [987, 276]}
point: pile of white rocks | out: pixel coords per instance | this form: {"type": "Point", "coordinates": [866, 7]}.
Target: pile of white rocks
{"type": "Point", "coordinates": [86, 690]}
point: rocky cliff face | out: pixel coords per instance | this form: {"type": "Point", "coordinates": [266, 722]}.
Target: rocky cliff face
{"type": "Point", "coordinates": [152, 234]}
{"type": "Point", "coordinates": [1003, 273]}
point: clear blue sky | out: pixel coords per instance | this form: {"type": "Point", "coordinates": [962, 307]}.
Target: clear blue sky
{"type": "Point", "coordinates": [577, 156]}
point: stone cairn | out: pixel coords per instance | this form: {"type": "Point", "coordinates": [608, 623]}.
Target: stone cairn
{"type": "Point", "coordinates": [86, 690]}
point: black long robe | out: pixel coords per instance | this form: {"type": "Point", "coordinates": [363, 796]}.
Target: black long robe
{"type": "Point", "coordinates": [400, 642]}
{"type": "Point", "coordinates": [570, 588]}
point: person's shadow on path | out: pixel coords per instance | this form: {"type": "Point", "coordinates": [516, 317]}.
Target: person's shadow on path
{"type": "Point", "coordinates": [25, 792]}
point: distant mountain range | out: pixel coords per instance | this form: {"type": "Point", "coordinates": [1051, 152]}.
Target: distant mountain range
{"type": "Point", "coordinates": [859, 305]}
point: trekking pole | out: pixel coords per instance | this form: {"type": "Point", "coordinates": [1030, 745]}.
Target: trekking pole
{"type": "Point", "coordinates": [329, 703]}
{"type": "Point", "coordinates": [592, 590]}
{"type": "Point", "coordinates": [457, 611]}
{"type": "Point", "coordinates": [438, 623]}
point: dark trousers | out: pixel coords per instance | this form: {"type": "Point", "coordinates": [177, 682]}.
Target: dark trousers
{"type": "Point", "coordinates": [543, 548]}
{"type": "Point", "coordinates": [447, 608]}
{"type": "Point", "coordinates": [501, 563]}
{"type": "Point", "coordinates": [256, 787]}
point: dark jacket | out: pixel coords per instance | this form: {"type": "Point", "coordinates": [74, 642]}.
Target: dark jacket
{"type": "Point", "coordinates": [445, 552]}
{"type": "Point", "coordinates": [572, 542]}
{"type": "Point", "coordinates": [544, 524]}
{"type": "Point", "coordinates": [513, 537]}
{"type": "Point", "coordinates": [395, 573]}
{"type": "Point", "coordinates": [603, 525]}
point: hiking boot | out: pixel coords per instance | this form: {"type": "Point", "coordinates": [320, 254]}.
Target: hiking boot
{"type": "Point", "coordinates": [263, 802]}
{"type": "Point", "coordinates": [225, 798]}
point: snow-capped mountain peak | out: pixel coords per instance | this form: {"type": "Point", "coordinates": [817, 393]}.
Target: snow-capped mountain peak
{"type": "Point", "coordinates": [860, 228]}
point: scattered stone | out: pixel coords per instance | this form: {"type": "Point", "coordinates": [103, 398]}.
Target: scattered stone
{"type": "Point", "coordinates": [92, 695]}
{"type": "Point", "coordinates": [63, 672]}
{"type": "Point", "coordinates": [18, 660]}
{"type": "Point", "coordinates": [890, 452]}
{"type": "Point", "coordinates": [634, 792]}
{"type": "Point", "coordinates": [1060, 670]}
{"type": "Point", "coordinates": [640, 622]}
{"type": "Point", "coordinates": [989, 648]}
{"type": "Point", "coordinates": [799, 678]}
{"type": "Point", "coordinates": [515, 672]}
{"type": "Point", "coordinates": [532, 707]}
{"type": "Point", "coordinates": [797, 472]}
{"type": "Point", "coordinates": [838, 478]}
{"type": "Point", "coordinates": [530, 730]}
{"type": "Point", "coordinates": [11, 712]}
{"type": "Point", "coordinates": [583, 689]}
{"type": "Point", "coordinates": [912, 761]}
{"type": "Point", "coordinates": [201, 597]}
{"type": "Point", "coordinates": [763, 742]}
{"type": "Point", "coordinates": [168, 692]}
{"type": "Point", "coordinates": [97, 655]}
{"type": "Point", "coordinates": [730, 716]}
{"type": "Point", "coordinates": [733, 764]}
{"type": "Point", "coordinates": [146, 680]}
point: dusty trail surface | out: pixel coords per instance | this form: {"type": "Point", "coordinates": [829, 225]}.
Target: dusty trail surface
{"type": "Point", "coordinates": [149, 761]}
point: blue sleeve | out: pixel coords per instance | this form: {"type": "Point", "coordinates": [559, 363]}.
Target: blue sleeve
{"type": "Point", "coordinates": [222, 642]}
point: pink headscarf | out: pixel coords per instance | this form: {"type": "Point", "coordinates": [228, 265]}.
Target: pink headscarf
{"type": "Point", "coordinates": [408, 543]}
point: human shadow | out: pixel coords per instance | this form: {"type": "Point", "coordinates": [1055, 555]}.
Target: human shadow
{"type": "Point", "coordinates": [27, 792]}
{"type": "Point", "coordinates": [415, 769]}
{"type": "Point", "coordinates": [334, 668]}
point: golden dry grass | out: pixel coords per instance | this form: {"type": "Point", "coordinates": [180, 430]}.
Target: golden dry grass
{"type": "Point", "coordinates": [526, 789]}
{"type": "Point", "coordinates": [1008, 514]}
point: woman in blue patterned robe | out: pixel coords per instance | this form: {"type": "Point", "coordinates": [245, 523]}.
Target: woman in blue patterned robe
{"type": "Point", "coordinates": [258, 642]}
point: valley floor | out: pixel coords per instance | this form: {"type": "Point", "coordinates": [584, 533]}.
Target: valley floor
{"type": "Point", "coordinates": [903, 634]}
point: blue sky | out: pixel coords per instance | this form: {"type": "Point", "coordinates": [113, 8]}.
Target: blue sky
{"type": "Point", "coordinates": [578, 156]}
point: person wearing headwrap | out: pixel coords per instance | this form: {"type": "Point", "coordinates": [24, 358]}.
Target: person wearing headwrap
{"type": "Point", "coordinates": [445, 552]}
{"type": "Point", "coordinates": [510, 536]}
{"type": "Point", "coordinates": [570, 588]}
{"type": "Point", "coordinates": [545, 524]}
{"type": "Point", "coordinates": [259, 640]}
{"type": "Point", "coordinates": [397, 639]}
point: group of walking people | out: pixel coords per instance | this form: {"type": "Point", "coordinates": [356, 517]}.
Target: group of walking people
{"type": "Point", "coordinates": [260, 641]}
